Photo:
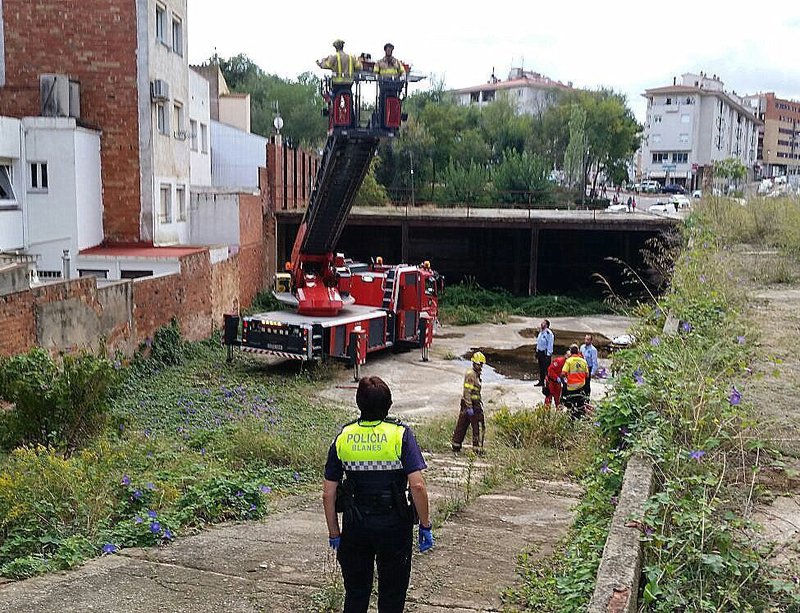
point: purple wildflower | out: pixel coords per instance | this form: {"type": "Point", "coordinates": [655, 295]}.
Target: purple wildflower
{"type": "Point", "coordinates": [735, 397]}
{"type": "Point", "coordinates": [117, 364]}
{"type": "Point", "coordinates": [155, 527]}
{"type": "Point", "coordinates": [604, 469]}
{"type": "Point", "coordinates": [265, 489]}
{"type": "Point", "coordinates": [655, 341]}
{"type": "Point", "coordinates": [239, 494]}
{"type": "Point", "coordinates": [615, 500]}
{"type": "Point", "coordinates": [168, 534]}
{"type": "Point", "coordinates": [137, 520]}
{"type": "Point", "coordinates": [149, 485]}
{"type": "Point", "coordinates": [252, 507]}
{"type": "Point", "coordinates": [152, 514]}
{"type": "Point", "coordinates": [296, 476]}
{"type": "Point", "coordinates": [147, 432]}
{"type": "Point", "coordinates": [137, 494]}
{"type": "Point", "coordinates": [637, 376]}
{"type": "Point", "coordinates": [126, 480]}
{"type": "Point", "coordinates": [686, 326]}
{"type": "Point", "coordinates": [110, 548]}
{"type": "Point", "coordinates": [702, 279]}
{"type": "Point", "coordinates": [740, 339]}
{"type": "Point", "coordinates": [648, 531]}
{"type": "Point", "coordinates": [697, 454]}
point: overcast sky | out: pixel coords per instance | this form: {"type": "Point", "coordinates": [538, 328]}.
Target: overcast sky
{"type": "Point", "coordinates": [626, 45]}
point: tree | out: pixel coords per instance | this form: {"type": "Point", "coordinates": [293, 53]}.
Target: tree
{"type": "Point", "coordinates": [464, 184]}
{"type": "Point", "coordinates": [576, 150]}
{"type": "Point", "coordinates": [521, 178]}
{"type": "Point", "coordinates": [730, 168]}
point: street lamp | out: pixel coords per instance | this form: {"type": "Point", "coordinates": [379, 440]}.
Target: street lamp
{"type": "Point", "coordinates": [411, 163]}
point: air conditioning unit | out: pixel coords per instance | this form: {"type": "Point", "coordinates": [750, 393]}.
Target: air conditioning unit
{"type": "Point", "coordinates": [159, 89]}
{"type": "Point", "coordinates": [59, 96]}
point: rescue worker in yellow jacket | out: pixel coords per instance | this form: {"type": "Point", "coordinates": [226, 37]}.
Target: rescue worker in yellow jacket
{"type": "Point", "coordinates": [391, 73]}
{"type": "Point", "coordinates": [575, 373]}
{"type": "Point", "coordinates": [343, 65]}
{"type": "Point", "coordinates": [389, 67]}
{"type": "Point", "coordinates": [471, 412]}
{"type": "Point", "coordinates": [379, 459]}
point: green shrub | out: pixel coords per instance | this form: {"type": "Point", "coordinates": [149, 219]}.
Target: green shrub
{"type": "Point", "coordinates": [541, 425]}
{"type": "Point", "coordinates": [61, 403]}
{"type": "Point", "coordinates": [168, 348]}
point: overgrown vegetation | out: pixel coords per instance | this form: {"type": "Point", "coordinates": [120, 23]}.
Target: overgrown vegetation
{"type": "Point", "coordinates": [469, 303]}
{"type": "Point", "coordinates": [187, 440]}
{"type": "Point", "coordinates": [680, 399]}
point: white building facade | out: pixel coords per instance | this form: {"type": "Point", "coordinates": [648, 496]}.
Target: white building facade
{"type": "Point", "coordinates": [692, 124]}
{"type": "Point", "coordinates": [53, 208]}
{"type": "Point", "coordinates": [530, 92]}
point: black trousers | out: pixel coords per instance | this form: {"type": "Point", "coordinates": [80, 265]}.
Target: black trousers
{"type": "Point", "coordinates": [544, 362]}
{"type": "Point", "coordinates": [382, 539]}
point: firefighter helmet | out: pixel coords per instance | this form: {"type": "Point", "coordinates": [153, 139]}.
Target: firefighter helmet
{"type": "Point", "coordinates": [478, 358]}
{"type": "Point", "coordinates": [388, 46]}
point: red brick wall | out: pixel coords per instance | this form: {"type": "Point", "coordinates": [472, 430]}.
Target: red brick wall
{"type": "Point", "coordinates": [184, 296]}
{"type": "Point", "coordinates": [93, 41]}
{"type": "Point", "coordinates": [17, 323]}
{"type": "Point", "coordinates": [224, 290]}
{"type": "Point", "coordinates": [280, 159]}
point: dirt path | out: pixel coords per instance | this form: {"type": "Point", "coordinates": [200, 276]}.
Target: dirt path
{"type": "Point", "coordinates": [283, 564]}
{"type": "Point", "coordinates": [773, 390]}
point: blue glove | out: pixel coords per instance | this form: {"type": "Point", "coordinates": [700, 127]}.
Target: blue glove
{"type": "Point", "coordinates": [334, 541]}
{"type": "Point", "coordinates": [425, 538]}
{"type": "Point", "coordinates": [470, 412]}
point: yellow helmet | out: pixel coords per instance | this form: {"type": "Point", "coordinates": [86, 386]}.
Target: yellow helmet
{"type": "Point", "coordinates": [478, 358]}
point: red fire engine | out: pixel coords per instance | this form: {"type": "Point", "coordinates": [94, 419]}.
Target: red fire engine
{"type": "Point", "coordinates": [343, 309]}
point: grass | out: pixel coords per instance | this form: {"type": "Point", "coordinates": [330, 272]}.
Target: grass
{"type": "Point", "coordinates": [469, 303]}
{"type": "Point", "coordinates": [196, 442]}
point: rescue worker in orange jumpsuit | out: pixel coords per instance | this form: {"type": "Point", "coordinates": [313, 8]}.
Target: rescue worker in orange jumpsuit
{"type": "Point", "coordinates": [471, 412]}
{"type": "Point", "coordinates": [576, 372]}
{"type": "Point", "coordinates": [554, 386]}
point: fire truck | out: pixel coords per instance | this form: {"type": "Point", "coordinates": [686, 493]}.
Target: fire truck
{"type": "Point", "coordinates": [338, 308]}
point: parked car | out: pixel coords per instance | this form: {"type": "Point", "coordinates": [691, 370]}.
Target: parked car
{"type": "Point", "coordinates": [697, 194]}
{"type": "Point", "coordinates": [650, 186]}
{"type": "Point", "coordinates": [617, 208]}
{"type": "Point", "coordinates": [680, 201]}
{"type": "Point", "coordinates": [673, 188]}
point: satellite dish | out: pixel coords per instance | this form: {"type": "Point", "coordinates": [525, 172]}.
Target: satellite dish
{"type": "Point", "coordinates": [278, 123]}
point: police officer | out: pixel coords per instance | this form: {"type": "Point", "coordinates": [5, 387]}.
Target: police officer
{"type": "Point", "coordinates": [471, 411]}
{"type": "Point", "coordinates": [379, 459]}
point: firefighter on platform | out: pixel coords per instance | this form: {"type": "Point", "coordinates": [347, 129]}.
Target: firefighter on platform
{"type": "Point", "coordinates": [379, 459]}
{"type": "Point", "coordinates": [471, 411]}
{"type": "Point", "coordinates": [391, 73]}
{"type": "Point", "coordinates": [575, 371]}
{"type": "Point", "coordinates": [344, 67]}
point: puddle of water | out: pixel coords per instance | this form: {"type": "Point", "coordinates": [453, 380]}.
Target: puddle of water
{"type": "Point", "coordinates": [564, 338]}
{"type": "Point", "coordinates": [489, 374]}
{"type": "Point", "coordinates": [519, 363]}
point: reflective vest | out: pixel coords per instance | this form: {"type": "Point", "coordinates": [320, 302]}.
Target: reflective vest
{"type": "Point", "coordinates": [389, 68]}
{"type": "Point", "coordinates": [472, 387]}
{"type": "Point", "coordinates": [577, 371]}
{"type": "Point", "coordinates": [343, 66]}
{"type": "Point", "coordinates": [370, 452]}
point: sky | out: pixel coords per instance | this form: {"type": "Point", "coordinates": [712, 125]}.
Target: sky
{"type": "Point", "coordinates": [628, 46]}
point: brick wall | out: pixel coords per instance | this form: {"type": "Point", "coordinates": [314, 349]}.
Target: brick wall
{"type": "Point", "coordinates": [290, 172]}
{"type": "Point", "coordinates": [93, 41]}
{"type": "Point", "coordinates": [17, 323]}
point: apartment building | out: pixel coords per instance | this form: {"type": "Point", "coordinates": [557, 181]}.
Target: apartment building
{"type": "Point", "coordinates": [690, 125]}
{"type": "Point", "coordinates": [531, 92]}
{"type": "Point", "coordinates": [778, 151]}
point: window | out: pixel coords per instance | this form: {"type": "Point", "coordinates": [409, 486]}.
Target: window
{"type": "Point", "coordinates": [177, 35]}
{"type": "Point", "coordinates": [161, 24]}
{"type": "Point", "coordinates": [204, 137]}
{"type": "Point", "coordinates": [180, 196]}
{"type": "Point", "coordinates": [7, 183]}
{"type": "Point", "coordinates": [193, 128]}
{"type": "Point", "coordinates": [93, 272]}
{"type": "Point", "coordinates": [162, 121]}
{"type": "Point", "coordinates": [180, 127]}
{"type": "Point", "coordinates": [660, 157]}
{"type": "Point", "coordinates": [680, 157]}
{"type": "Point", "coordinates": [669, 101]}
{"type": "Point", "coordinates": [165, 215]}
{"type": "Point", "coordinates": [135, 274]}
{"type": "Point", "coordinates": [39, 182]}
{"type": "Point", "coordinates": [657, 118]}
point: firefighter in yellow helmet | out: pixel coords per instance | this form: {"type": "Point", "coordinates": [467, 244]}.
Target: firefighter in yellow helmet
{"type": "Point", "coordinates": [389, 67]}
{"type": "Point", "coordinates": [471, 412]}
{"type": "Point", "coordinates": [391, 79]}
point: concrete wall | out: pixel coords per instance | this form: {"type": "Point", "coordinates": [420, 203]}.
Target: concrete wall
{"type": "Point", "coordinates": [236, 157]}
{"type": "Point", "coordinates": [215, 219]}
{"type": "Point", "coordinates": [14, 278]}
{"type": "Point", "coordinates": [234, 110]}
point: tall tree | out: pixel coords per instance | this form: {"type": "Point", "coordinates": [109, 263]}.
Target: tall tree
{"type": "Point", "coordinates": [576, 149]}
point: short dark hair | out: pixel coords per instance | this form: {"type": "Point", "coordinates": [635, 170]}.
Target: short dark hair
{"type": "Point", "coordinates": [547, 322]}
{"type": "Point", "coordinates": [573, 348]}
{"type": "Point", "coordinates": [373, 398]}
